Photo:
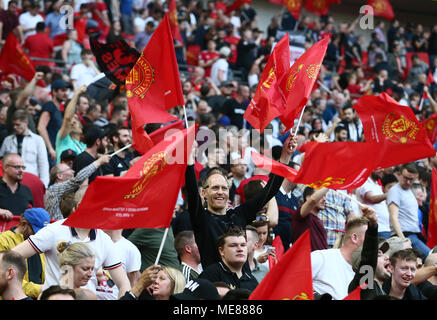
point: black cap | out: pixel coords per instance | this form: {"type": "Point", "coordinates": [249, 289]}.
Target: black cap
{"type": "Point", "coordinates": [60, 84]}
{"type": "Point", "coordinates": [197, 289]}
{"type": "Point", "coordinates": [93, 133]}
{"type": "Point", "coordinates": [68, 155]}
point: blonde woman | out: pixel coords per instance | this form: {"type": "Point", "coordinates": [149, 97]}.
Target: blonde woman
{"type": "Point", "coordinates": [76, 262]}
{"type": "Point", "coordinates": [169, 281]}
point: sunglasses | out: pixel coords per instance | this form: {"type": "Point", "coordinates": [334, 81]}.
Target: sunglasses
{"type": "Point", "coordinates": [261, 218]}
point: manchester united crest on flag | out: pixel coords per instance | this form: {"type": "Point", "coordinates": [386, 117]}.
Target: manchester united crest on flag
{"type": "Point", "coordinates": [142, 75]}
{"type": "Point", "coordinates": [399, 129]}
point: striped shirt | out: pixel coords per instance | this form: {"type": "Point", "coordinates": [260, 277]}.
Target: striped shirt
{"type": "Point", "coordinates": [337, 208]}
{"type": "Point", "coordinates": [55, 192]}
{"type": "Point", "coordinates": [188, 272]}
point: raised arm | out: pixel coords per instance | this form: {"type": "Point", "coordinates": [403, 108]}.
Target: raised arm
{"type": "Point", "coordinates": [28, 90]}
{"type": "Point", "coordinates": [311, 203]}
{"type": "Point", "coordinates": [69, 113]}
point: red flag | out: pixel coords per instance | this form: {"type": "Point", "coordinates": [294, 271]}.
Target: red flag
{"type": "Point", "coordinates": [429, 80]}
{"type": "Point", "coordinates": [399, 135]}
{"type": "Point", "coordinates": [237, 4]}
{"type": "Point", "coordinates": [354, 295]}
{"type": "Point", "coordinates": [273, 166]}
{"type": "Point", "coordinates": [13, 60]}
{"type": "Point", "coordinates": [158, 135]}
{"type": "Point", "coordinates": [294, 7]}
{"type": "Point", "coordinates": [268, 101]}
{"type": "Point", "coordinates": [430, 126]}
{"type": "Point", "coordinates": [432, 219]}
{"type": "Point", "coordinates": [382, 8]}
{"type": "Point", "coordinates": [173, 19]}
{"type": "Point", "coordinates": [153, 85]}
{"type": "Point", "coordinates": [319, 7]}
{"type": "Point", "coordinates": [302, 75]}
{"type": "Point", "coordinates": [280, 2]}
{"type": "Point", "coordinates": [321, 168]}
{"type": "Point", "coordinates": [290, 278]}
{"type": "Point", "coordinates": [279, 251]}
{"type": "Point", "coordinates": [137, 200]}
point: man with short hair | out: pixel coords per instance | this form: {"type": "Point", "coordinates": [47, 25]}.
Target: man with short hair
{"type": "Point", "coordinates": [63, 181]}
{"type": "Point", "coordinates": [372, 194]}
{"type": "Point", "coordinates": [39, 45]}
{"type": "Point", "coordinates": [9, 22]}
{"type": "Point", "coordinates": [331, 268]}
{"type": "Point", "coordinates": [234, 108]}
{"type": "Point", "coordinates": [28, 145]}
{"type": "Point", "coordinates": [119, 163]}
{"type": "Point", "coordinates": [31, 221]}
{"type": "Point", "coordinates": [340, 133]}
{"type": "Point", "coordinates": [96, 142]}
{"type": "Point", "coordinates": [15, 197]}
{"type": "Point", "coordinates": [12, 271]}
{"type": "Point", "coordinates": [232, 246]}
{"type": "Point", "coordinates": [50, 120]}
{"type": "Point", "coordinates": [352, 124]}
{"type": "Point", "coordinates": [29, 19]}
{"type": "Point", "coordinates": [84, 73]}
{"type": "Point", "coordinates": [258, 270]}
{"type": "Point", "coordinates": [403, 267]}
{"type": "Point", "coordinates": [403, 208]}
{"type": "Point", "coordinates": [118, 118]}
{"type": "Point", "coordinates": [188, 253]}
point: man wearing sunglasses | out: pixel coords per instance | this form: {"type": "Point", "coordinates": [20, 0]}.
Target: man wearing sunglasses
{"type": "Point", "coordinates": [15, 197]}
{"type": "Point", "coordinates": [403, 208]}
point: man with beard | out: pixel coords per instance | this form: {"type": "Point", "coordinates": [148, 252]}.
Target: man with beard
{"type": "Point", "coordinates": [15, 198]}
{"type": "Point", "coordinates": [96, 142]}
{"type": "Point", "coordinates": [120, 162]}
{"type": "Point", "coordinates": [50, 120]}
{"type": "Point", "coordinates": [371, 263]}
{"type": "Point", "coordinates": [372, 194]}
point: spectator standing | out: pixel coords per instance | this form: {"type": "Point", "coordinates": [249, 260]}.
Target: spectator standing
{"type": "Point", "coordinates": [9, 22]}
{"type": "Point", "coordinates": [29, 19]}
{"type": "Point", "coordinates": [119, 163]}
{"type": "Point", "coordinates": [28, 145]}
{"type": "Point", "coordinates": [71, 49]}
{"type": "Point", "coordinates": [220, 68]}
{"type": "Point", "coordinates": [188, 254]}
{"type": "Point", "coordinates": [39, 45]}
{"type": "Point", "coordinates": [83, 73]}
{"type": "Point", "coordinates": [53, 19]}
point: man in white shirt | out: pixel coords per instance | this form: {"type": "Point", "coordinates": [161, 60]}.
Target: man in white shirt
{"type": "Point", "coordinates": [29, 19]}
{"type": "Point", "coordinates": [84, 73]}
{"type": "Point", "coordinates": [219, 69]}
{"type": "Point", "coordinates": [28, 145]}
{"type": "Point", "coordinates": [371, 193]}
{"type": "Point", "coordinates": [332, 268]}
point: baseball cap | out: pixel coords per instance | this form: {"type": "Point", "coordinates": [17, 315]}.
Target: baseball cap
{"type": "Point", "coordinates": [37, 217]}
{"type": "Point", "coordinates": [93, 133]}
{"type": "Point", "coordinates": [226, 84]}
{"type": "Point", "coordinates": [68, 154]}
{"type": "Point", "coordinates": [60, 84]}
{"type": "Point", "coordinates": [197, 289]}
{"type": "Point", "coordinates": [225, 51]}
{"type": "Point", "coordinates": [383, 245]}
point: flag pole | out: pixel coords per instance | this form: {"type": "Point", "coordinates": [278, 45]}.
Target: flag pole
{"type": "Point", "coordinates": [120, 150]}
{"type": "Point", "coordinates": [324, 87]}
{"type": "Point", "coordinates": [352, 198]}
{"type": "Point", "coordinates": [300, 120]}
{"type": "Point", "coordinates": [161, 246]}
{"type": "Point", "coordinates": [185, 116]}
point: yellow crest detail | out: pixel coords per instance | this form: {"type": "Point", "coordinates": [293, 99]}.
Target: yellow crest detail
{"type": "Point", "coordinates": [142, 75]}
{"type": "Point", "coordinates": [151, 167]}
{"type": "Point", "coordinates": [313, 71]}
{"type": "Point", "coordinates": [271, 77]}
{"type": "Point", "coordinates": [379, 6]}
{"type": "Point", "coordinates": [292, 76]}
{"type": "Point", "coordinates": [399, 128]}
{"type": "Point", "coordinates": [327, 182]}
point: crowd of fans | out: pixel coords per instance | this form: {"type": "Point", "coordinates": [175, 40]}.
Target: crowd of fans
{"type": "Point", "coordinates": [55, 140]}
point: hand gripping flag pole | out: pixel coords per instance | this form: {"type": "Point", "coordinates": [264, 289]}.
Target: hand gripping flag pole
{"type": "Point", "coordinates": [120, 150]}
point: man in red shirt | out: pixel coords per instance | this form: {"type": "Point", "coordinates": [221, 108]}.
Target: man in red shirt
{"type": "Point", "coordinates": [208, 57]}
{"type": "Point", "coordinates": [39, 45]}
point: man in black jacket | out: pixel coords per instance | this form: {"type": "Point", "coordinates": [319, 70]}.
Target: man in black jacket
{"type": "Point", "coordinates": [232, 269]}
{"type": "Point", "coordinates": [210, 223]}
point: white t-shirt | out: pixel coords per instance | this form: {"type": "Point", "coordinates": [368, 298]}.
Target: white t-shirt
{"type": "Point", "coordinates": [380, 208]}
{"type": "Point", "coordinates": [220, 64]}
{"type": "Point", "coordinates": [28, 21]}
{"type": "Point", "coordinates": [131, 261]}
{"type": "Point", "coordinates": [332, 274]}
{"type": "Point", "coordinates": [46, 240]}
{"type": "Point", "coordinates": [83, 74]}
{"type": "Point", "coordinates": [408, 207]}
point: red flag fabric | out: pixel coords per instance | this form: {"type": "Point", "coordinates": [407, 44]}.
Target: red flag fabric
{"type": "Point", "coordinates": [153, 85]}
{"type": "Point", "coordinates": [137, 200]}
{"type": "Point", "coordinates": [429, 80]}
{"type": "Point", "coordinates": [294, 7]}
{"type": "Point", "coordinates": [279, 2]}
{"type": "Point", "coordinates": [321, 168]}
{"type": "Point", "coordinates": [158, 135]}
{"type": "Point", "coordinates": [173, 19]}
{"type": "Point", "coordinates": [273, 166]}
{"type": "Point", "coordinates": [298, 83]}
{"type": "Point", "coordinates": [268, 102]}
{"type": "Point", "coordinates": [354, 295]}
{"type": "Point", "coordinates": [399, 135]}
{"type": "Point", "coordinates": [319, 7]}
{"type": "Point", "coordinates": [432, 219]}
{"type": "Point", "coordinates": [13, 60]}
{"type": "Point", "coordinates": [430, 126]}
{"type": "Point", "coordinates": [382, 8]}
{"type": "Point", "coordinates": [237, 4]}
{"type": "Point", "coordinates": [290, 278]}
{"type": "Point", "coordinates": [279, 251]}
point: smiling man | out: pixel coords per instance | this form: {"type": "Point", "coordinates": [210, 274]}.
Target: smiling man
{"type": "Point", "coordinates": [231, 269]}
{"type": "Point", "coordinates": [211, 222]}
{"type": "Point", "coordinates": [404, 266]}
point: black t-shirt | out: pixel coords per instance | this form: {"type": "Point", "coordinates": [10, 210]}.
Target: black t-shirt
{"type": "Point", "coordinates": [216, 103]}
{"type": "Point", "coordinates": [55, 122]}
{"type": "Point", "coordinates": [117, 165]}
{"type": "Point", "coordinates": [235, 111]}
{"type": "Point", "coordinates": [16, 202]}
{"type": "Point", "coordinates": [84, 159]}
